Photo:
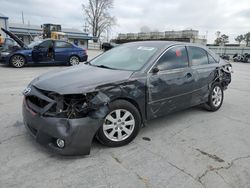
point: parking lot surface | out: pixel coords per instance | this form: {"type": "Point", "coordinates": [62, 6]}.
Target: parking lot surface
{"type": "Point", "coordinates": [191, 148]}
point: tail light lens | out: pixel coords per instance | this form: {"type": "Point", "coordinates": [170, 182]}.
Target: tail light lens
{"type": "Point", "coordinates": [84, 51]}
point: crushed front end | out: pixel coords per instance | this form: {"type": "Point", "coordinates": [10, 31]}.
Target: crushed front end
{"type": "Point", "coordinates": [65, 123]}
{"type": "Point", "coordinates": [224, 75]}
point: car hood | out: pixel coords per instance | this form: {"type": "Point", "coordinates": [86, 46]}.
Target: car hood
{"type": "Point", "coordinates": [15, 38]}
{"type": "Point", "coordinates": [79, 79]}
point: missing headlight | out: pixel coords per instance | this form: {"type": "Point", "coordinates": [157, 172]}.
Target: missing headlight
{"type": "Point", "coordinates": [68, 106]}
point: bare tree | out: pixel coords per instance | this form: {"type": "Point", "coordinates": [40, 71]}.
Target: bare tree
{"type": "Point", "coordinates": [247, 38]}
{"type": "Point", "coordinates": [97, 13]}
{"type": "Point", "coordinates": [221, 39]}
{"type": "Point", "coordinates": [240, 38]}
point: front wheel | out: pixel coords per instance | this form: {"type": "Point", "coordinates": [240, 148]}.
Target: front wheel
{"type": "Point", "coordinates": [74, 60]}
{"type": "Point", "coordinates": [121, 124]}
{"type": "Point", "coordinates": [17, 61]}
{"type": "Point", "coordinates": [216, 97]}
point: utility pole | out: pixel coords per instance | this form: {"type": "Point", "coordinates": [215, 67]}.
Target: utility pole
{"type": "Point", "coordinates": [22, 17]}
{"type": "Point", "coordinates": [85, 28]}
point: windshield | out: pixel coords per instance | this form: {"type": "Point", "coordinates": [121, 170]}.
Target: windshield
{"type": "Point", "coordinates": [126, 57]}
{"type": "Point", "coordinates": [35, 43]}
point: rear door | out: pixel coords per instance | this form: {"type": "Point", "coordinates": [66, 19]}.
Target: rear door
{"type": "Point", "coordinates": [204, 66]}
{"type": "Point", "coordinates": [171, 88]}
{"type": "Point", "coordinates": [63, 50]}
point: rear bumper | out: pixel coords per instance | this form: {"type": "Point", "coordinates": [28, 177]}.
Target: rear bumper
{"type": "Point", "coordinates": [76, 133]}
{"type": "Point", "coordinates": [84, 58]}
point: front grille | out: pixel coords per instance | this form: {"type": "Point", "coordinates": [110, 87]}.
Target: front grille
{"type": "Point", "coordinates": [37, 101]}
{"type": "Point", "coordinates": [44, 92]}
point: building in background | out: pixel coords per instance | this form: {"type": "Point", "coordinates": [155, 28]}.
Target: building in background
{"type": "Point", "coordinates": [182, 36]}
{"type": "Point", "coordinates": [27, 32]}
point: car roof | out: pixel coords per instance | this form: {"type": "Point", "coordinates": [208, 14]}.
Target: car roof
{"type": "Point", "coordinates": [163, 44]}
{"type": "Point", "coordinates": [157, 44]}
{"type": "Point", "coordinates": [54, 40]}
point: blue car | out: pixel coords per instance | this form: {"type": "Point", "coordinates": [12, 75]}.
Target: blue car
{"type": "Point", "coordinates": [47, 51]}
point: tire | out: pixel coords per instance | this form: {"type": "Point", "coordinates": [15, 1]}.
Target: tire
{"type": "Point", "coordinates": [112, 132]}
{"type": "Point", "coordinates": [17, 61]}
{"type": "Point", "coordinates": [74, 60]}
{"type": "Point", "coordinates": [215, 98]}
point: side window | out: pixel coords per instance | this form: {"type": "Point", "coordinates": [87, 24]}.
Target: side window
{"type": "Point", "coordinates": [61, 44]}
{"type": "Point", "coordinates": [198, 56]}
{"type": "Point", "coordinates": [46, 44]}
{"type": "Point", "coordinates": [173, 58]}
{"type": "Point", "coordinates": [211, 59]}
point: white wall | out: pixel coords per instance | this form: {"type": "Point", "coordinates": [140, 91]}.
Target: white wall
{"type": "Point", "coordinates": [229, 50]}
{"type": "Point", "coordinates": [3, 24]}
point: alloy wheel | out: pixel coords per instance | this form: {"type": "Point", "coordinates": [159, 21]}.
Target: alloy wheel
{"type": "Point", "coordinates": [74, 60]}
{"type": "Point", "coordinates": [18, 61]}
{"type": "Point", "coordinates": [118, 125]}
{"type": "Point", "coordinates": [217, 96]}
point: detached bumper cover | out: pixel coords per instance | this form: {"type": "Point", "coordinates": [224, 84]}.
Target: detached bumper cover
{"type": "Point", "coordinates": [77, 133]}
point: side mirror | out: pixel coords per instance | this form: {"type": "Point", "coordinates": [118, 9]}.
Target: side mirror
{"type": "Point", "coordinates": [155, 70]}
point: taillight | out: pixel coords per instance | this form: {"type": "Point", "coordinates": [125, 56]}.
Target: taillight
{"type": "Point", "coordinates": [84, 51]}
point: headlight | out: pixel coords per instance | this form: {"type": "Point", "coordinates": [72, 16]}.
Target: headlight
{"type": "Point", "coordinates": [5, 54]}
{"type": "Point", "coordinates": [227, 69]}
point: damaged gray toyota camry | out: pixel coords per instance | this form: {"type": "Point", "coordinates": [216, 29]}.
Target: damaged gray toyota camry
{"type": "Point", "coordinates": [115, 94]}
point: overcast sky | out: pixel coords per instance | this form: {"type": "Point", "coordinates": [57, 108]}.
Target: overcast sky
{"type": "Point", "coordinates": [228, 16]}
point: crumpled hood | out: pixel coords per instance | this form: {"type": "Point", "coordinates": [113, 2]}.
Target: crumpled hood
{"type": "Point", "coordinates": [79, 79]}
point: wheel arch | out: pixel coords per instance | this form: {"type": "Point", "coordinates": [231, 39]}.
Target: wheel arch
{"type": "Point", "coordinates": [133, 102]}
{"type": "Point", "coordinates": [25, 58]}
{"type": "Point", "coordinates": [71, 55]}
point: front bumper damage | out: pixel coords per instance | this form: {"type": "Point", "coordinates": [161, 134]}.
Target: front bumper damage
{"type": "Point", "coordinates": [46, 127]}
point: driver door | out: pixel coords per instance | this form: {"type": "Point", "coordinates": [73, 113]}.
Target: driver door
{"type": "Point", "coordinates": [171, 84]}
{"type": "Point", "coordinates": [43, 53]}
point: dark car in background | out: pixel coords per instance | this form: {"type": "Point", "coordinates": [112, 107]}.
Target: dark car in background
{"type": "Point", "coordinates": [107, 46]}
{"type": "Point", "coordinates": [112, 96]}
{"type": "Point", "coordinates": [43, 51]}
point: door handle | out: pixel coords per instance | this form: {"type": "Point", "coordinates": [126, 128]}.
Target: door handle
{"type": "Point", "coordinates": [189, 75]}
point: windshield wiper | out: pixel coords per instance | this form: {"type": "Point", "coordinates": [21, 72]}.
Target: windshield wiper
{"type": "Point", "coordinates": [103, 66]}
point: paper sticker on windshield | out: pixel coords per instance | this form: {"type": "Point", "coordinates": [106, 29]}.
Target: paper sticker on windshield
{"type": "Point", "coordinates": [145, 48]}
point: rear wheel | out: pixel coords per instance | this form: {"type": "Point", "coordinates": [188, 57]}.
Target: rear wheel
{"type": "Point", "coordinates": [216, 97]}
{"type": "Point", "coordinates": [17, 61]}
{"type": "Point", "coordinates": [74, 60]}
{"type": "Point", "coordinates": [121, 125]}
